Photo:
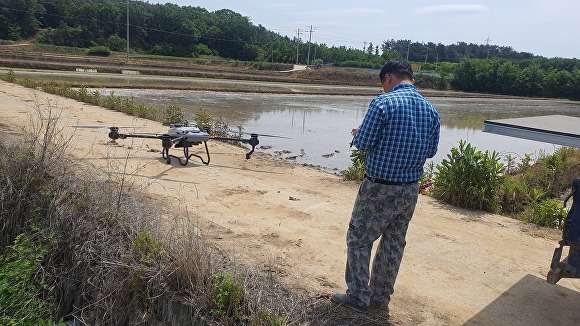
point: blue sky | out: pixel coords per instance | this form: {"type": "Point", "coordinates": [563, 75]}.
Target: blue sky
{"type": "Point", "coordinates": [542, 27]}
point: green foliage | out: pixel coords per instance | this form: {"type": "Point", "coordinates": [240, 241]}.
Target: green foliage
{"type": "Point", "coordinates": [204, 119]}
{"type": "Point", "coordinates": [60, 49]}
{"type": "Point", "coordinates": [526, 78]}
{"type": "Point", "coordinates": [514, 196]}
{"type": "Point", "coordinates": [173, 114]}
{"type": "Point", "coordinates": [261, 65]}
{"type": "Point", "coordinates": [356, 171]}
{"type": "Point", "coordinates": [25, 297]}
{"type": "Point", "coordinates": [266, 318]}
{"type": "Point", "coordinates": [101, 51]}
{"type": "Point", "coordinates": [228, 296]}
{"type": "Point", "coordinates": [202, 49]}
{"type": "Point", "coordinates": [431, 82]}
{"type": "Point", "coordinates": [116, 43]}
{"type": "Point", "coordinates": [88, 23]}
{"type": "Point", "coordinates": [528, 189]}
{"type": "Point", "coordinates": [145, 247]}
{"type": "Point", "coordinates": [548, 213]}
{"type": "Point", "coordinates": [469, 178]}
{"type": "Point", "coordinates": [10, 76]}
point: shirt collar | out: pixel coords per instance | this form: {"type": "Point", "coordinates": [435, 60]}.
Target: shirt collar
{"type": "Point", "coordinates": [401, 86]}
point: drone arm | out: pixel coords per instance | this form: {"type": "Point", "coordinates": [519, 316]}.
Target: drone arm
{"type": "Point", "coordinates": [252, 141]}
{"type": "Point", "coordinates": [114, 134]}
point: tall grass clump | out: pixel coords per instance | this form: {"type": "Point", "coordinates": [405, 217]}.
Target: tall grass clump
{"type": "Point", "coordinates": [469, 178]}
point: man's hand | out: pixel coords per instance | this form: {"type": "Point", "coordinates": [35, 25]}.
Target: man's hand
{"type": "Point", "coordinates": [354, 131]}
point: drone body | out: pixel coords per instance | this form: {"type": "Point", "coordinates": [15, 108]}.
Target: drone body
{"type": "Point", "coordinates": [184, 136]}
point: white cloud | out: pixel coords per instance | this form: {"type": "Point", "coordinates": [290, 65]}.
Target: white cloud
{"type": "Point", "coordinates": [452, 9]}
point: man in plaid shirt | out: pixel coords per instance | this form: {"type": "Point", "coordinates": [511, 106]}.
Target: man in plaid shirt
{"type": "Point", "coordinates": [399, 132]}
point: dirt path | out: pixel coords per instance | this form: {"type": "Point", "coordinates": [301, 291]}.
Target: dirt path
{"type": "Point", "coordinates": [460, 267]}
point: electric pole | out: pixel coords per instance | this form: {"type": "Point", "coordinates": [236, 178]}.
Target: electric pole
{"type": "Point", "coordinates": [298, 32]}
{"type": "Point", "coordinates": [487, 40]}
{"type": "Point", "coordinates": [310, 30]}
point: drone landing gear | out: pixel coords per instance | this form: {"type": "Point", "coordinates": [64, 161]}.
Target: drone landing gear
{"type": "Point", "coordinates": [186, 155]}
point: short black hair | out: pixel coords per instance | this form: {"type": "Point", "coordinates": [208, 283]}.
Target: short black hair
{"type": "Point", "coordinates": [399, 68]}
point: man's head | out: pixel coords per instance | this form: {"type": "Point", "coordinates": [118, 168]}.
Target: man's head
{"type": "Point", "coordinates": [394, 72]}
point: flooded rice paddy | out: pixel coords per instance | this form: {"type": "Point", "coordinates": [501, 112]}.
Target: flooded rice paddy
{"type": "Point", "coordinates": [319, 125]}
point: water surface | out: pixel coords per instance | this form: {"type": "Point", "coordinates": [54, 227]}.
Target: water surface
{"type": "Point", "coordinates": [319, 125]}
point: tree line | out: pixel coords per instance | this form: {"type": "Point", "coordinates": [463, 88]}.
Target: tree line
{"type": "Point", "coordinates": [187, 31]}
{"type": "Point", "coordinates": [536, 78]}
{"type": "Point", "coordinates": [169, 29]}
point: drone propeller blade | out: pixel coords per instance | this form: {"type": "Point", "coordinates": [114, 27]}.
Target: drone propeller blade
{"type": "Point", "coordinates": [90, 127]}
{"type": "Point", "coordinates": [252, 133]}
{"type": "Point", "coordinates": [273, 136]}
{"type": "Point", "coordinates": [102, 127]}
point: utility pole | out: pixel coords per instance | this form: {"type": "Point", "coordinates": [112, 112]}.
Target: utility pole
{"type": "Point", "coordinates": [314, 59]}
{"type": "Point", "coordinates": [310, 30]}
{"type": "Point", "coordinates": [127, 31]}
{"type": "Point", "coordinates": [298, 32]}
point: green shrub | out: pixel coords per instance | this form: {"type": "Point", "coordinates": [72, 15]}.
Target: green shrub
{"type": "Point", "coordinates": [202, 49]}
{"type": "Point", "coordinates": [548, 213]}
{"type": "Point", "coordinates": [217, 124]}
{"type": "Point", "coordinates": [145, 247]}
{"type": "Point", "coordinates": [25, 297]}
{"type": "Point", "coordinates": [266, 318]}
{"type": "Point", "coordinates": [173, 114]}
{"type": "Point", "coordinates": [356, 171]}
{"type": "Point", "coordinates": [514, 196]}
{"type": "Point", "coordinates": [228, 296]}
{"type": "Point", "coordinates": [102, 51]}
{"type": "Point", "coordinates": [10, 76]}
{"type": "Point", "coordinates": [469, 178]}
{"type": "Point", "coordinates": [116, 43]}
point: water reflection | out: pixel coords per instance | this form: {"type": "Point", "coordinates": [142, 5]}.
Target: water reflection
{"type": "Point", "coordinates": [320, 125]}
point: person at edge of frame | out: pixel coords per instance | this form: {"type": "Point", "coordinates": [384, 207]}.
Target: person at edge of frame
{"type": "Point", "coordinates": [399, 132]}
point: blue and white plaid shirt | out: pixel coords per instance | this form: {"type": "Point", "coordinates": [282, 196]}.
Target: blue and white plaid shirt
{"type": "Point", "coordinates": [399, 132]}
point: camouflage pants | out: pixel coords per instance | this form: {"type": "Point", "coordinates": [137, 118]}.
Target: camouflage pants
{"type": "Point", "coordinates": [379, 211]}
